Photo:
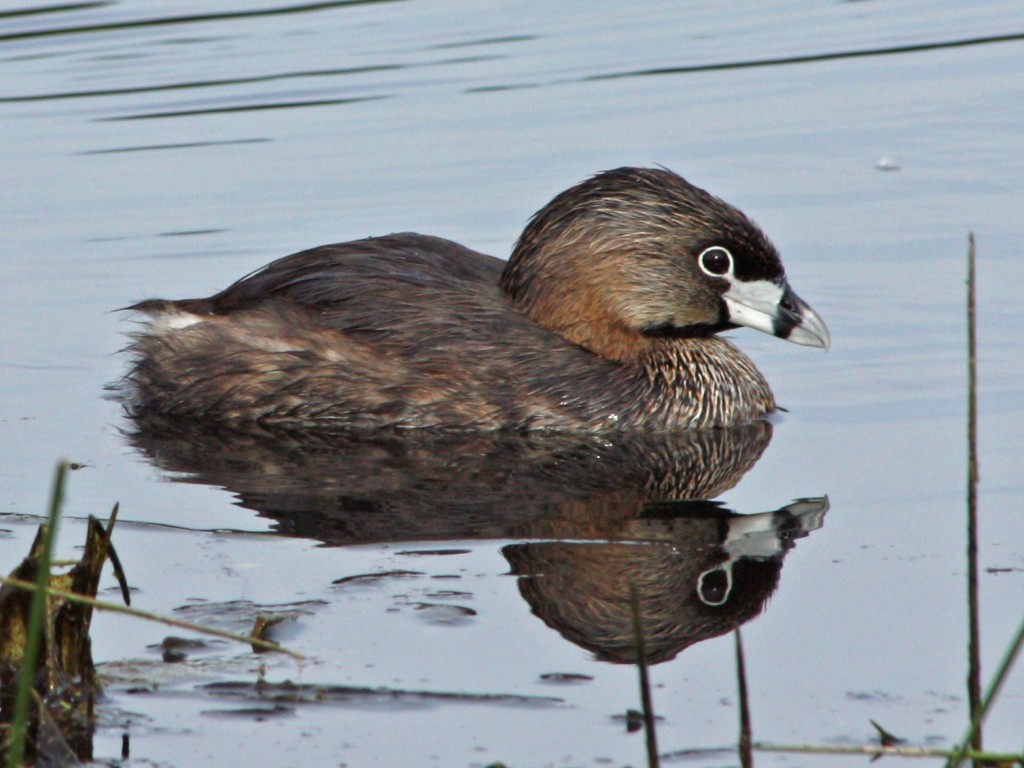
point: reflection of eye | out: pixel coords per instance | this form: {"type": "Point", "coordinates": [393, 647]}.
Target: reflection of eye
{"type": "Point", "coordinates": [714, 586]}
{"type": "Point", "coordinates": [715, 261]}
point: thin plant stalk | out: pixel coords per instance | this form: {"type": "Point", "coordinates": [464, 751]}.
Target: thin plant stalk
{"type": "Point", "coordinates": [34, 634]}
{"type": "Point", "coordinates": [994, 758]}
{"type": "Point", "coordinates": [979, 705]}
{"type": "Point", "coordinates": [101, 605]}
{"type": "Point", "coordinates": [746, 753]}
{"type": "Point", "coordinates": [973, 608]}
{"type": "Point", "coordinates": [653, 761]}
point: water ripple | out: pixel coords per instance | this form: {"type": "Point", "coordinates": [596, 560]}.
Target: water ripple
{"type": "Point", "coordinates": [165, 21]}
{"type": "Point", "coordinates": [243, 108]}
{"type": "Point", "coordinates": [815, 57]}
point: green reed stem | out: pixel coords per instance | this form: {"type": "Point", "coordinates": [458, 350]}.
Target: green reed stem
{"type": "Point", "coordinates": [1002, 672]}
{"type": "Point", "coordinates": [36, 617]}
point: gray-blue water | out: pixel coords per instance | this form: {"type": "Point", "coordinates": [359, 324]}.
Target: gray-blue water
{"type": "Point", "coordinates": [165, 149]}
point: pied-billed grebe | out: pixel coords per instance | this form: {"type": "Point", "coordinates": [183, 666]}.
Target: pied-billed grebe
{"type": "Point", "coordinates": [603, 319]}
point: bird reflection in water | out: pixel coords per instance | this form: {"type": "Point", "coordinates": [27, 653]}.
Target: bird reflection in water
{"type": "Point", "coordinates": [587, 515]}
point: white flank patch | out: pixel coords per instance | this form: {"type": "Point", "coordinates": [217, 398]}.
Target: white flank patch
{"type": "Point", "coordinates": [173, 320]}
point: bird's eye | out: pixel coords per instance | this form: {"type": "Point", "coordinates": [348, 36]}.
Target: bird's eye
{"type": "Point", "coordinates": [715, 261]}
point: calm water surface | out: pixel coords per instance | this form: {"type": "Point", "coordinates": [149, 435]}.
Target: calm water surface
{"type": "Point", "coordinates": [155, 148]}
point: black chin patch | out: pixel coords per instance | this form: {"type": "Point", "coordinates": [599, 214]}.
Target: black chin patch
{"type": "Point", "coordinates": [696, 330]}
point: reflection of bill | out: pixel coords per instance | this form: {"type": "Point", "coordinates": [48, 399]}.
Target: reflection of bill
{"type": "Point", "coordinates": [760, 537]}
{"type": "Point", "coordinates": [699, 572]}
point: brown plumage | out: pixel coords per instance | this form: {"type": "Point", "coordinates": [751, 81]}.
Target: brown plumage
{"type": "Point", "coordinates": [603, 319]}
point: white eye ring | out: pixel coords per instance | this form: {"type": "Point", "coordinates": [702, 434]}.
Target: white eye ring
{"type": "Point", "coordinates": [715, 261]}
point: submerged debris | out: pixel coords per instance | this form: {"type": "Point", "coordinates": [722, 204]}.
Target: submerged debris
{"type": "Point", "coordinates": [65, 684]}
